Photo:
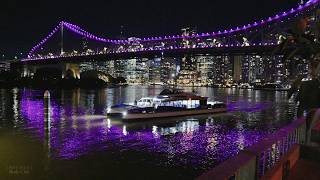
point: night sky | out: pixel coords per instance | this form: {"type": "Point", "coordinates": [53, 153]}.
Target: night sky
{"type": "Point", "coordinates": [25, 22]}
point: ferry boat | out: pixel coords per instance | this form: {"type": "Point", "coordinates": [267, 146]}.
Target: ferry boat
{"type": "Point", "coordinates": [169, 103]}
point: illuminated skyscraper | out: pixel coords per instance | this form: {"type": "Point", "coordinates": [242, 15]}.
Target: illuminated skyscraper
{"type": "Point", "coordinates": [142, 71]}
{"type": "Point", "coordinates": [154, 70]}
{"type": "Point", "coordinates": [237, 68]}
{"type": "Point", "coordinates": [119, 68]}
{"type": "Point", "coordinates": [205, 70]}
{"type": "Point", "coordinates": [188, 74]}
{"type": "Point", "coordinates": [252, 69]}
{"type": "Point", "coordinates": [4, 66]}
{"type": "Point", "coordinates": [130, 70]}
{"type": "Point", "coordinates": [217, 77]}
{"type": "Point", "coordinates": [168, 70]}
{"type": "Point", "coordinates": [226, 69]}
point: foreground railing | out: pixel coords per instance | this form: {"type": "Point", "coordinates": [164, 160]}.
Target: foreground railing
{"type": "Point", "coordinates": [255, 161]}
{"type": "Point", "coordinates": [273, 147]}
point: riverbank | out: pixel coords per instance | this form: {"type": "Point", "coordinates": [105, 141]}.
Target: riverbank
{"type": "Point", "coordinates": [96, 83]}
{"type": "Point", "coordinates": [58, 83]}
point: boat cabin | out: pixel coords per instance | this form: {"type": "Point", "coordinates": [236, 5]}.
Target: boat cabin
{"type": "Point", "coordinates": [173, 98]}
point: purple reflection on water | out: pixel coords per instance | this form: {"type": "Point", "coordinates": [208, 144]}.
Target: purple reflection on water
{"type": "Point", "coordinates": [37, 115]}
{"type": "Point", "coordinates": [198, 143]}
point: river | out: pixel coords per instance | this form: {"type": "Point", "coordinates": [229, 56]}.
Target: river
{"type": "Point", "coordinates": [69, 136]}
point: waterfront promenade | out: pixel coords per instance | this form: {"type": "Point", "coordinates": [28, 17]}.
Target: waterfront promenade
{"type": "Point", "coordinates": [292, 152]}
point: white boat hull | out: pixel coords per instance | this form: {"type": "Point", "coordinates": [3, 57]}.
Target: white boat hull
{"type": "Point", "coordinates": [151, 115]}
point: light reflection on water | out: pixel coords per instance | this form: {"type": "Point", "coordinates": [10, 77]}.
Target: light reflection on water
{"type": "Point", "coordinates": [72, 124]}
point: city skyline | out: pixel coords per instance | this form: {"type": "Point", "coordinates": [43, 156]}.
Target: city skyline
{"type": "Point", "coordinates": [201, 70]}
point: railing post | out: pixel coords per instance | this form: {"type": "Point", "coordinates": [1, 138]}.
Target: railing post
{"type": "Point", "coordinates": [261, 164]}
{"type": "Point", "coordinates": [247, 172]}
{"type": "Point", "coordinates": [303, 133]}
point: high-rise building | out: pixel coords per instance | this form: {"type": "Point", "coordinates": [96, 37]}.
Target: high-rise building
{"type": "Point", "coordinates": [86, 66]}
{"type": "Point", "coordinates": [135, 71]}
{"type": "Point", "coordinates": [154, 70]}
{"type": "Point", "coordinates": [205, 70]}
{"type": "Point", "coordinates": [4, 66]}
{"type": "Point", "coordinates": [188, 74]}
{"type": "Point", "coordinates": [237, 68]}
{"type": "Point", "coordinates": [168, 70]}
{"type": "Point", "coordinates": [110, 67]}
{"type": "Point", "coordinates": [252, 69]}
{"type": "Point", "coordinates": [130, 70]}
{"type": "Point", "coordinates": [102, 66]}
{"type": "Point", "coordinates": [275, 70]}
{"type": "Point", "coordinates": [245, 69]}
{"type": "Point", "coordinates": [303, 68]}
{"type": "Point", "coordinates": [258, 68]}
{"type": "Point", "coordinates": [217, 70]}
{"type": "Point", "coordinates": [226, 69]}
{"type": "Point", "coordinates": [142, 71]}
{"type": "Point", "coordinates": [119, 68]}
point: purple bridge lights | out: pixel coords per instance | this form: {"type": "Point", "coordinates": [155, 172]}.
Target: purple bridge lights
{"type": "Point", "coordinates": [263, 33]}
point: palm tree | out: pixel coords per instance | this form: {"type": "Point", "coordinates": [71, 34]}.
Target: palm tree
{"type": "Point", "coordinates": [302, 42]}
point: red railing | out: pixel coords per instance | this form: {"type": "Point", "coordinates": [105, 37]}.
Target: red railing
{"type": "Point", "coordinates": [255, 161]}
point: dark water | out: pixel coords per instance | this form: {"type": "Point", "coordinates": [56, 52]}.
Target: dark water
{"type": "Point", "coordinates": [70, 138]}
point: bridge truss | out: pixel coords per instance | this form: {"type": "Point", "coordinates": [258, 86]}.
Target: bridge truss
{"type": "Point", "coordinates": [262, 35]}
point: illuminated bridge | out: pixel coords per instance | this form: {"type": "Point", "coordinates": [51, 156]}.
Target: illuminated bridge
{"type": "Point", "coordinates": [77, 44]}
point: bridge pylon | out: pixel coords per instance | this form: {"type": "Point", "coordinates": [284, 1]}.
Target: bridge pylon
{"type": "Point", "coordinates": [61, 43]}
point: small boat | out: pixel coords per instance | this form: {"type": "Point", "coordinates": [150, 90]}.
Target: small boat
{"type": "Point", "coordinates": [169, 103]}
